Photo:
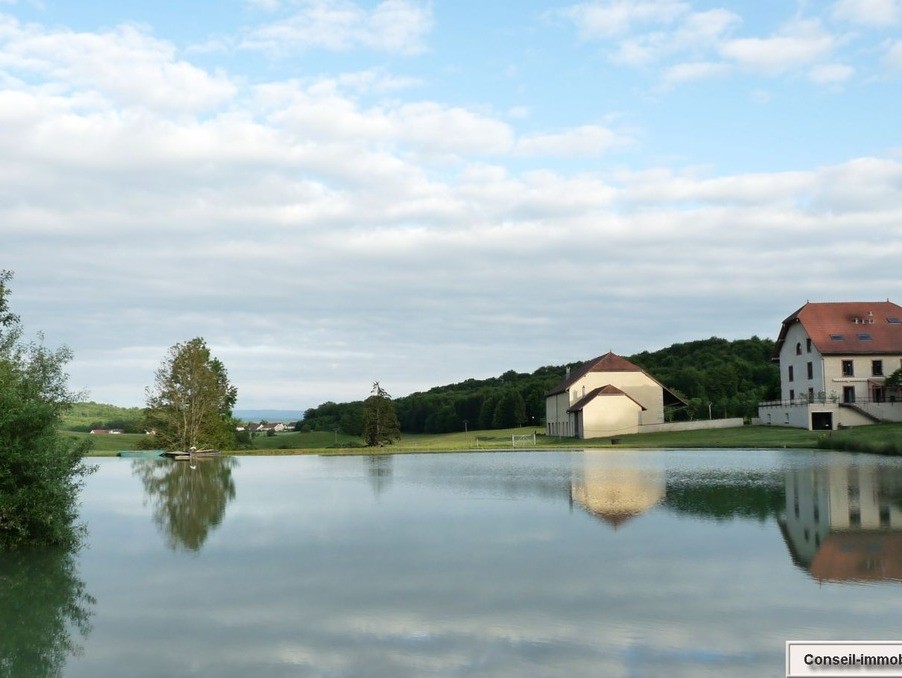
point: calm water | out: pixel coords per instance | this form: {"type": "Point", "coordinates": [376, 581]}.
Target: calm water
{"type": "Point", "coordinates": [603, 563]}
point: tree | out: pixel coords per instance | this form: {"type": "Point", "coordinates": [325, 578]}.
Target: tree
{"type": "Point", "coordinates": [380, 421]}
{"type": "Point", "coordinates": [41, 470]}
{"type": "Point", "coordinates": [190, 404]}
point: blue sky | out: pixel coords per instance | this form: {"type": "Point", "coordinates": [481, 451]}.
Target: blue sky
{"type": "Point", "coordinates": [334, 192]}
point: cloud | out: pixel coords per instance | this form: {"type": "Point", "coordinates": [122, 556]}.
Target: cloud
{"type": "Point", "coordinates": [127, 65]}
{"type": "Point", "coordinates": [394, 26]}
{"type": "Point", "coordinates": [831, 74]}
{"type": "Point", "coordinates": [583, 141]}
{"type": "Point", "coordinates": [799, 43]}
{"type": "Point", "coordinates": [614, 18]}
{"type": "Point", "coordinates": [892, 58]}
{"type": "Point", "coordinates": [688, 72]}
{"type": "Point", "coordinates": [873, 13]}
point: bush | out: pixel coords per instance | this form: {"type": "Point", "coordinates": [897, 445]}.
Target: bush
{"type": "Point", "coordinates": [41, 471]}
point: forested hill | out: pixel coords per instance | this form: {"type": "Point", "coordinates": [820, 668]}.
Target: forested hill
{"type": "Point", "coordinates": [733, 376]}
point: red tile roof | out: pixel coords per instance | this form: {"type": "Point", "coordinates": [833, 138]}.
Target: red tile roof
{"type": "Point", "coordinates": [848, 328]}
{"type": "Point", "coordinates": [607, 389]}
{"type": "Point", "coordinates": [609, 362]}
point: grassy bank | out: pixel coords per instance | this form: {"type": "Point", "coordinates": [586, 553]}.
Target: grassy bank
{"type": "Point", "coordinates": [867, 439]}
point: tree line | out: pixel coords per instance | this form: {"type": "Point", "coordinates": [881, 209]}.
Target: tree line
{"type": "Point", "coordinates": [716, 377]}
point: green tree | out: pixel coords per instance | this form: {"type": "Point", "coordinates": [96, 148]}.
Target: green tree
{"type": "Point", "coordinates": [41, 470]}
{"type": "Point", "coordinates": [380, 421]}
{"type": "Point", "coordinates": [191, 401]}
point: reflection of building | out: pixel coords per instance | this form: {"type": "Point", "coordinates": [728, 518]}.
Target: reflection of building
{"type": "Point", "coordinates": [616, 493]}
{"type": "Point", "coordinates": [834, 359]}
{"type": "Point", "coordinates": [606, 396]}
{"type": "Point", "coordinates": [844, 522]}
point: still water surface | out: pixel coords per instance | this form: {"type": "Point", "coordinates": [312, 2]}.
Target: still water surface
{"type": "Point", "coordinates": [596, 563]}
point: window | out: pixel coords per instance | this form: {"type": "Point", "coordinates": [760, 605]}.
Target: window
{"type": "Point", "coordinates": [848, 368]}
{"type": "Point", "coordinates": [848, 394]}
{"type": "Point", "coordinates": [799, 348]}
{"type": "Point", "coordinates": [792, 394]}
{"type": "Point", "coordinates": [894, 320]}
{"type": "Point", "coordinates": [810, 370]}
{"type": "Point", "coordinates": [864, 336]}
{"type": "Point", "coordinates": [810, 395]}
{"type": "Point", "coordinates": [877, 368]}
{"type": "Point", "coordinates": [808, 344]}
{"type": "Point", "coordinates": [836, 337]}
{"type": "Point", "coordinates": [791, 373]}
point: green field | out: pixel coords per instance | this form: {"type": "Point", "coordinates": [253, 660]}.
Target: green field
{"type": "Point", "coordinates": [883, 438]}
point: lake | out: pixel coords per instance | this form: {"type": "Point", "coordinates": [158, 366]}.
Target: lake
{"type": "Point", "coordinates": [596, 563]}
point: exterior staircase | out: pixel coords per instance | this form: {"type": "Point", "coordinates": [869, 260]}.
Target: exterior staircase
{"type": "Point", "coordinates": [864, 413]}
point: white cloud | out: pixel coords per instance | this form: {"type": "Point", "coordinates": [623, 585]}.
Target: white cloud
{"type": "Point", "coordinates": [396, 26]}
{"type": "Point", "coordinates": [831, 74]}
{"type": "Point", "coordinates": [892, 58]}
{"type": "Point", "coordinates": [800, 43]}
{"type": "Point", "coordinates": [612, 18]}
{"type": "Point", "coordinates": [127, 65]}
{"type": "Point", "coordinates": [689, 72]}
{"type": "Point", "coordinates": [695, 33]}
{"type": "Point", "coordinates": [876, 13]}
{"type": "Point", "coordinates": [586, 140]}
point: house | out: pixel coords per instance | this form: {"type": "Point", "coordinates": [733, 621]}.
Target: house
{"type": "Point", "coordinates": [607, 396]}
{"type": "Point", "coordinates": [834, 359]}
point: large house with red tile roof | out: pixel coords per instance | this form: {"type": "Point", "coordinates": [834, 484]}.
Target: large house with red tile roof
{"type": "Point", "coordinates": [607, 396]}
{"type": "Point", "coordinates": [834, 359]}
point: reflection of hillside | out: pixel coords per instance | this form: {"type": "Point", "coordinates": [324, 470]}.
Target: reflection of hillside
{"type": "Point", "coordinates": [843, 521]}
{"type": "Point", "coordinates": [189, 499]}
{"type": "Point", "coordinates": [616, 494]}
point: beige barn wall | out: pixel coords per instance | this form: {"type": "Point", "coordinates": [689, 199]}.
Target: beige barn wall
{"type": "Point", "coordinates": [638, 385]}
{"type": "Point", "coordinates": [610, 415]}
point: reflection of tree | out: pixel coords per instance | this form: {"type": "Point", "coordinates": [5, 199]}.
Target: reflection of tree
{"type": "Point", "coordinates": [44, 612]}
{"type": "Point", "coordinates": [725, 496]}
{"type": "Point", "coordinates": [189, 498]}
{"type": "Point", "coordinates": [380, 472]}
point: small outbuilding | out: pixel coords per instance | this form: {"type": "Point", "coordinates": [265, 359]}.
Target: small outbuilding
{"type": "Point", "coordinates": [607, 396]}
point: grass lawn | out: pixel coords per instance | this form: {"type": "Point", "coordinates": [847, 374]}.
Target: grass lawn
{"type": "Point", "coordinates": [882, 438]}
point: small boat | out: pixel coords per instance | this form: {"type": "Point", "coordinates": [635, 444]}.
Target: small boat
{"type": "Point", "coordinates": [141, 454]}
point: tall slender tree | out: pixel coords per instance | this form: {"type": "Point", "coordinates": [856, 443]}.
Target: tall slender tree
{"type": "Point", "coordinates": [191, 401]}
{"type": "Point", "coordinates": [380, 420]}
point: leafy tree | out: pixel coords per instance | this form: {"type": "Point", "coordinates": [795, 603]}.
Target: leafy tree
{"type": "Point", "coordinates": [380, 420]}
{"type": "Point", "coordinates": [41, 471]}
{"type": "Point", "coordinates": [190, 404]}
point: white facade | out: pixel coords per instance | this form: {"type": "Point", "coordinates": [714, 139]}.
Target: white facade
{"type": "Point", "coordinates": [834, 359]}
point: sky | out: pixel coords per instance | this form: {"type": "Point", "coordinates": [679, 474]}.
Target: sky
{"type": "Point", "coordinates": [337, 192]}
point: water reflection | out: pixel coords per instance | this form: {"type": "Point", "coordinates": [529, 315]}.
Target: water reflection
{"type": "Point", "coordinates": [379, 471]}
{"type": "Point", "coordinates": [843, 522]}
{"type": "Point", "coordinates": [189, 498]}
{"type": "Point", "coordinates": [614, 493]}
{"type": "Point", "coordinates": [45, 612]}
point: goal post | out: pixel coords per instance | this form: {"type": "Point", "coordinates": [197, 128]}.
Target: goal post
{"type": "Point", "coordinates": [526, 439]}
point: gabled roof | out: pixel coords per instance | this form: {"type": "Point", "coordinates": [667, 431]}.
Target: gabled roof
{"type": "Point", "coordinates": [606, 390]}
{"type": "Point", "coordinates": [848, 328]}
{"type": "Point", "coordinates": [611, 362]}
